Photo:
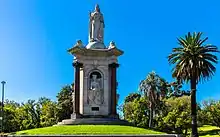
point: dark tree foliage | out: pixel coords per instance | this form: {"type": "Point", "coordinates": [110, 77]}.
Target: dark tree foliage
{"type": "Point", "coordinates": [64, 103]}
{"type": "Point", "coordinates": [132, 96]}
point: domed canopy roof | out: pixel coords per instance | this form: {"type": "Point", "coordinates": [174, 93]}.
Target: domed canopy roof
{"type": "Point", "coordinates": [95, 45]}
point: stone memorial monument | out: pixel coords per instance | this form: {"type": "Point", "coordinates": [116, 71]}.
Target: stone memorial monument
{"type": "Point", "coordinates": [95, 96]}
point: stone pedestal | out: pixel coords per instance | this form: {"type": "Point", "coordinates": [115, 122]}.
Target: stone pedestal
{"type": "Point", "coordinates": [95, 95]}
{"type": "Point", "coordinates": [101, 63]}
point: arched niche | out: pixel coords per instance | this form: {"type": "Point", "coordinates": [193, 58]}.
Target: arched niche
{"type": "Point", "coordinates": [97, 73]}
{"type": "Point", "coordinates": [95, 88]}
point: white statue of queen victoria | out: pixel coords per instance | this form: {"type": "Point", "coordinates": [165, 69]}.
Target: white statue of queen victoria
{"type": "Point", "coordinates": [96, 25]}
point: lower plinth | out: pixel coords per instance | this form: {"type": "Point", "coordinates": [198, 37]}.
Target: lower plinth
{"type": "Point", "coordinates": [94, 121]}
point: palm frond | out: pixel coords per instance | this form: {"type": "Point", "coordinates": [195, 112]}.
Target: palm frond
{"type": "Point", "coordinates": [193, 57]}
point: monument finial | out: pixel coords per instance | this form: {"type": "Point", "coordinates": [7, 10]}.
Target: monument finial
{"type": "Point", "coordinates": [96, 25]}
{"type": "Point", "coordinates": [79, 43]}
{"type": "Point", "coordinates": [112, 45]}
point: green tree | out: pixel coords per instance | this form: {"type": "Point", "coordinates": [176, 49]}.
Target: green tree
{"type": "Point", "coordinates": [43, 100]}
{"type": "Point", "coordinates": [48, 112]}
{"type": "Point", "coordinates": [64, 103]}
{"type": "Point", "coordinates": [204, 116]}
{"type": "Point", "coordinates": [175, 90]}
{"type": "Point", "coordinates": [176, 115]}
{"type": "Point", "coordinates": [136, 112]}
{"type": "Point", "coordinates": [211, 112]}
{"type": "Point", "coordinates": [11, 123]}
{"type": "Point", "coordinates": [32, 109]}
{"type": "Point", "coordinates": [193, 62]}
{"type": "Point", "coordinates": [28, 115]}
{"type": "Point", "coordinates": [150, 86]}
{"type": "Point", "coordinates": [132, 96]}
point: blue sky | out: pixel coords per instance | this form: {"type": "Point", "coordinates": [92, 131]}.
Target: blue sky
{"type": "Point", "coordinates": [35, 36]}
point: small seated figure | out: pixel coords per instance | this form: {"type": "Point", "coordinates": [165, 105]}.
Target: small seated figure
{"type": "Point", "coordinates": [111, 45]}
{"type": "Point", "coordinates": [79, 43]}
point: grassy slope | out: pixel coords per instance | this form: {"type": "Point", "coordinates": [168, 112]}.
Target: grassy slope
{"type": "Point", "coordinates": [88, 129]}
{"type": "Point", "coordinates": [205, 131]}
{"type": "Point", "coordinates": [209, 131]}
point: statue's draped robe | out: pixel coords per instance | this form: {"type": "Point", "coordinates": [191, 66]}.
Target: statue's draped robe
{"type": "Point", "coordinates": [96, 26]}
{"type": "Point", "coordinates": [95, 93]}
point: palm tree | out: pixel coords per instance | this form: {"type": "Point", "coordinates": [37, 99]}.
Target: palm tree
{"type": "Point", "coordinates": [164, 88]}
{"type": "Point", "coordinates": [193, 61]}
{"type": "Point", "coordinates": [150, 88]}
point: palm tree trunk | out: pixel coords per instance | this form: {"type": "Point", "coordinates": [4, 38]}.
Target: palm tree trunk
{"type": "Point", "coordinates": [151, 116]}
{"type": "Point", "coordinates": [193, 107]}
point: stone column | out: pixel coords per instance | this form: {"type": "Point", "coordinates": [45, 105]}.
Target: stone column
{"type": "Point", "coordinates": [76, 113]}
{"type": "Point", "coordinates": [113, 69]}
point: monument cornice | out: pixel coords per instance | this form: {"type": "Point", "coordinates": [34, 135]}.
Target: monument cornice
{"type": "Point", "coordinates": [77, 50]}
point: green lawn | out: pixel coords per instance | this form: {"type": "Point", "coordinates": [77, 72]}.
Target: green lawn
{"type": "Point", "coordinates": [205, 131]}
{"type": "Point", "coordinates": [88, 129]}
{"type": "Point", "coordinates": [209, 131]}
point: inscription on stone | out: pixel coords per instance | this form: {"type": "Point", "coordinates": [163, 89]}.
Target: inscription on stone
{"type": "Point", "coordinates": [95, 108]}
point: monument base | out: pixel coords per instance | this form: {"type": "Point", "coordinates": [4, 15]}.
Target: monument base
{"type": "Point", "coordinates": [75, 116]}
{"type": "Point", "coordinates": [94, 121]}
{"type": "Point", "coordinates": [116, 116]}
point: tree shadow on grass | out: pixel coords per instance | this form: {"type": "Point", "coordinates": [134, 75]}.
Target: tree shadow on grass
{"type": "Point", "coordinates": [210, 132]}
{"type": "Point", "coordinates": [14, 133]}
